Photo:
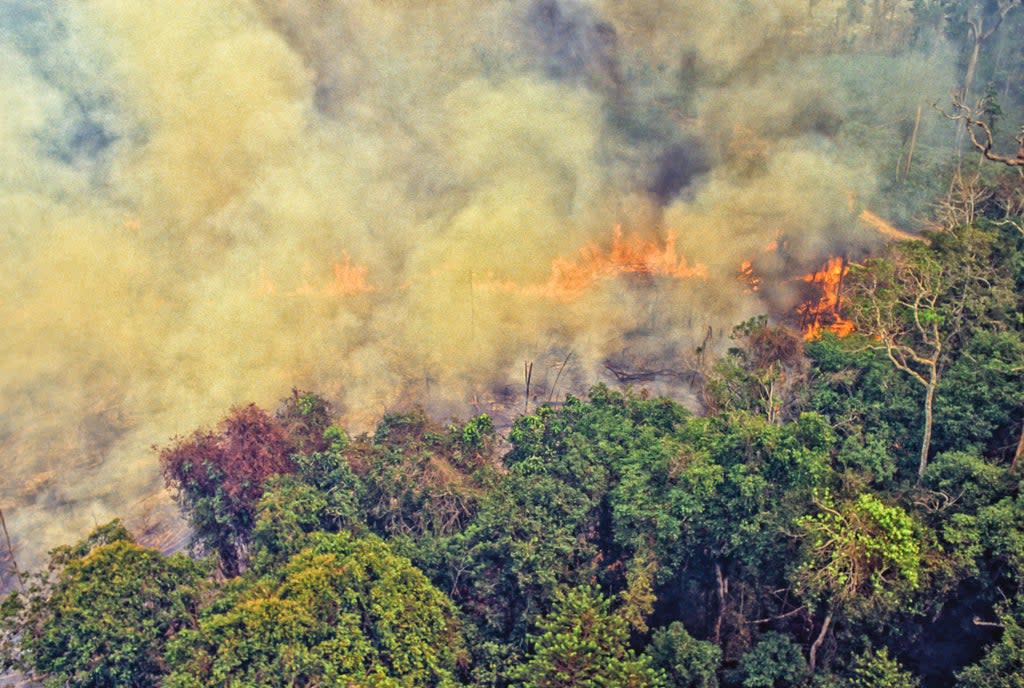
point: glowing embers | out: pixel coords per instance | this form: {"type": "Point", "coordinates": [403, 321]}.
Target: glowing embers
{"type": "Point", "coordinates": [348, 279]}
{"type": "Point", "coordinates": [628, 255]}
{"type": "Point", "coordinates": [750, 278]}
{"type": "Point", "coordinates": [817, 317]}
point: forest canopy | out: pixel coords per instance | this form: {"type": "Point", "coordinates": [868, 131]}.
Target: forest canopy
{"type": "Point", "coordinates": [793, 533]}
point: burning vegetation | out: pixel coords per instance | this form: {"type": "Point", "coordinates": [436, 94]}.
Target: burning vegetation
{"type": "Point", "coordinates": [821, 312]}
{"type": "Point", "coordinates": [192, 230]}
{"type": "Point", "coordinates": [617, 235]}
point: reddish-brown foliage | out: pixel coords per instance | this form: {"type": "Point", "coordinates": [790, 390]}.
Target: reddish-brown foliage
{"type": "Point", "coordinates": [768, 345]}
{"type": "Point", "coordinates": [219, 477]}
{"type": "Point", "coordinates": [249, 447]}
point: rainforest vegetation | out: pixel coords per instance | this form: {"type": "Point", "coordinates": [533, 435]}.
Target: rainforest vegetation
{"type": "Point", "coordinates": [812, 527]}
{"type": "Point", "coordinates": [833, 511]}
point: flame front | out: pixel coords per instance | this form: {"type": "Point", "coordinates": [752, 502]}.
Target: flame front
{"type": "Point", "coordinates": [823, 315]}
{"type": "Point", "coordinates": [885, 227]}
{"type": "Point", "coordinates": [632, 254]}
{"type": "Point", "coordinates": [349, 279]}
{"type": "Point", "coordinates": [749, 277]}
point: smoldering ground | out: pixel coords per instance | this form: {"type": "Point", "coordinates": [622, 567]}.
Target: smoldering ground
{"type": "Point", "coordinates": [208, 202]}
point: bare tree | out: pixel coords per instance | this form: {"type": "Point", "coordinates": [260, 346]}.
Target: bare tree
{"type": "Point", "coordinates": [981, 135]}
{"type": "Point", "coordinates": [896, 301]}
{"type": "Point", "coordinates": [915, 303]}
{"type": "Point", "coordinates": [979, 35]}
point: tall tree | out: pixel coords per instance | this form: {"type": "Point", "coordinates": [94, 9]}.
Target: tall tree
{"type": "Point", "coordinates": [917, 301]}
{"type": "Point", "coordinates": [344, 611]}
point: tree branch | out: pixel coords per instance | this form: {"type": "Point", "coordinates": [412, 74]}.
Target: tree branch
{"type": "Point", "coordinates": [980, 133]}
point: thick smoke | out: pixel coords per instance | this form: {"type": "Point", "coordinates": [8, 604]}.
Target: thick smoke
{"type": "Point", "coordinates": [208, 202]}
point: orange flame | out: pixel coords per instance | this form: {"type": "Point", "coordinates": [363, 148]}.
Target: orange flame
{"type": "Point", "coordinates": [885, 227]}
{"type": "Point", "coordinates": [633, 254]}
{"type": "Point", "coordinates": [824, 315]}
{"type": "Point", "coordinates": [348, 279]}
{"type": "Point", "coordinates": [749, 277]}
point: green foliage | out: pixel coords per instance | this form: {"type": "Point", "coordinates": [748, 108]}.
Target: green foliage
{"type": "Point", "coordinates": [1000, 536]}
{"type": "Point", "coordinates": [762, 375]}
{"type": "Point", "coordinates": [582, 643]}
{"type": "Point", "coordinates": [875, 409]}
{"type": "Point", "coordinates": [421, 479]}
{"type": "Point", "coordinates": [966, 481]}
{"type": "Point", "coordinates": [343, 611]}
{"type": "Point", "coordinates": [329, 472]}
{"type": "Point", "coordinates": [861, 553]}
{"type": "Point", "coordinates": [606, 488]}
{"type": "Point", "coordinates": [775, 661]}
{"type": "Point", "coordinates": [685, 661]}
{"type": "Point", "coordinates": [529, 538]}
{"type": "Point", "coordinates": [979, 404]}
{"type": "Point", "coordinates": [876, 669]}
{"type": "Point", "coordinates": [305, 417]}
{"type": "Point", "coordinates": [288, 512]}
{"type": "Point", "coordinates": [103, 616]}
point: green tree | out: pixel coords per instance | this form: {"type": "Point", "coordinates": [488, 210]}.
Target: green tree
{"type": "Point", "coordinates": [918, 301]}
{"type": "Point", "coordinates": [876, 669]}
{"type": "Point", "coordinates": [421, 479]}
{"type": "Point", "coordinates": [582, 643]}
{"type": "Point", "coordinates": [979, 403]}
{"type": "Point", "coordinates": [323, 495]}
{"type": "Point", "coordinates": [861, 555]}
{"type": "Point", "coordinates": [685, 661]}
{"type": "Point", "coordinates": [874, 409]}
{"type": "Point", "coordinates": [775, 661]}
{"type": "Point", "coordinates": [103, 613]}
{"type": "Point", "coordinates": [764, 374]}
{"type": "Point", "coordinates": [343, 611]}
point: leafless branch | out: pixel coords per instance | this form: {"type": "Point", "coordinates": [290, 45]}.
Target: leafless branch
{"type": "Point", "coordinates": [980, 132]}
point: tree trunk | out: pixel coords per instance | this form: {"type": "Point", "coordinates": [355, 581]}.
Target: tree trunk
{"type": "Point", "coordinates": [723, 589]}
{"type": "Point", "coordinates": [1020, 450]}
{"type": "Point", "coordinates": [10, 551]}
{"type": "Point", "coordinates": [812, 656]}
{"type": "Point", "coordinates": [929, 402]}
{"type": "Point", "coordinates": [972, 65]}
{"type": "Point", "coordinates": [913, 142]}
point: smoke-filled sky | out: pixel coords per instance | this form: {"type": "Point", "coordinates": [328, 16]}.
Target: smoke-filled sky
{"type": "Point", "coordinates": [208, 202]}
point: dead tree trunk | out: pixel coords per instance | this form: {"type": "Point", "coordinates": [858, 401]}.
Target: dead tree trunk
{"type": "Point", "coordinates": [929, 403]}
{"type": "Point", "coordinates": [10, 551]}
{"type": "Point", "coordinates": [812, 655]}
